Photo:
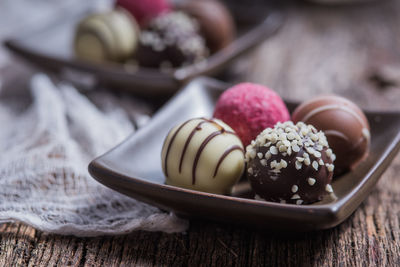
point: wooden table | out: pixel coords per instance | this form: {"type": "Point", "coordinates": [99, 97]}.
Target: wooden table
{"type": "Point", "coordinates": [352, 50]}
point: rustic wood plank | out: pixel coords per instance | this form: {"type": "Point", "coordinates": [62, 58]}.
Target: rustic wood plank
{"type": "Point", "coordinates": [17, 249]}
{"type": "Point", "coordinates": [333, 49]}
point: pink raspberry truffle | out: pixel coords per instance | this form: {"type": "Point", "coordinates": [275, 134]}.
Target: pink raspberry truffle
{"type": "Point", "coordinates": [144, 10]}
{"type": "Point", "coordinates": [250, 108]}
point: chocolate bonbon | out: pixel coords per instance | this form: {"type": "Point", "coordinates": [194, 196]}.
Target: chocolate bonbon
{"type": "Point", "coordinates": [344, 124]}
{"type": "Point", "coordinates": [290, 164]}
{"type": "Point", "coordinates": [169, 41]}
{"type": "Point", "coordinates": [203, 154]}
{"type": "Point", "coordinates": [108, 36]}
{"type": "Point", "coordinates": [250, 108]}
{"type": "Point", "coordinates": [215, 20]}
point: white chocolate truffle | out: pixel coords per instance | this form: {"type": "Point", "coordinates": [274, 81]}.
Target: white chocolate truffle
{"type": "Point", "coordinates": [109, 36]}
{"type": "Point", "coordinates": [203, 154]}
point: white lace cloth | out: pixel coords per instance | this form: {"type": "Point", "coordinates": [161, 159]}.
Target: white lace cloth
{"type": "Point", "coordinates": [44, 153]}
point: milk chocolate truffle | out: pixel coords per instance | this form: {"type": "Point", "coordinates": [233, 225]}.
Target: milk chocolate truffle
{"type": "Point", "coordinates": [343, 123]}
{"type": "Point", "coordinates": [170, 41]}
{"type": "Point", "coordinates": [109, 36]}
{"type": "Point", "coordinates": [203, 154]}
{"type": "Point", "coordinates": [290, 164]}
{"type": "Point", "coordinates": [216, 22]}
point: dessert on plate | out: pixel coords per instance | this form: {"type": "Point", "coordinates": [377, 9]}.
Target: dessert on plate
{"type": "Point", "coordinates": [155, 33]}
{"type": "Point", "coordinates": [285, 161]}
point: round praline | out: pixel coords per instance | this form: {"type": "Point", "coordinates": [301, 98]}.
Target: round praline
{"type": "Point", "coordinates": [344, 124]}
{"type": "Point", "coordinates": [215, 20]}
{"type": "Point", "coordinates": [169, 41]}
{"type": "Point", "coordinates": [250, 108]}
{"type": "Point", "coordinates": [203, 154]}
{"type": "Point", "coordinates": [107, 36]}
{"type": "Point", "coordinates": [290, 164]}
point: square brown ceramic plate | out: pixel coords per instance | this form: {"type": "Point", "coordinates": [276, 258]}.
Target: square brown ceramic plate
{"type": "Point", "coordinates": [134, 168]}
{"type": "Point", "coordinates": [51, 48]}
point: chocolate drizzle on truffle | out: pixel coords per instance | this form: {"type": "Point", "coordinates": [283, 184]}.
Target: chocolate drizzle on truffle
{"type": "Point", "coordinates": [203, 154]}
{"type": "Point", "coordinates": [202, 146]}
{"type": "Point", "coordinates": [226, 153]}
{"type": "Point", "coordinates": [170, 145]}
{"type": "Point", "coordinates": [196, 129]}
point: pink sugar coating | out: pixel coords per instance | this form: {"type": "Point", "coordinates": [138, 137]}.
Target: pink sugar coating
{"type": "Point", "coordinates": [250, 108]}
{"type": "Point", "coordinates": [144, 10]}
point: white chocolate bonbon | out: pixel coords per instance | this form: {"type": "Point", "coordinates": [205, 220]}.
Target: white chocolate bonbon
{"type": "Point", "coordinates": [204, 155]}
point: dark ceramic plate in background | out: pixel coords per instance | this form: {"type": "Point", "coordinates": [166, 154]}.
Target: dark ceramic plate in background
{"type": "Point", "coordinates": [134, 168]}
{"type": "Point", "coordinates": [51, 49]}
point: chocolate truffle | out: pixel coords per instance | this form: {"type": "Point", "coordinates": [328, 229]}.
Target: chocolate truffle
{"type": "Point", "coordinates": [343, 123]}
{"type": "Point", "coordinates": [250, 108]}
{"type": "Point", "coordinates": [170, 41]}
{"type": "Point", "coordinates": [215, 20]}
{"type": "Point", "coordinates": [109, 36]}
{"type": "Point", "coordinates": [203, 154]}
{"type": "Point", "coordinates": [290, 164]}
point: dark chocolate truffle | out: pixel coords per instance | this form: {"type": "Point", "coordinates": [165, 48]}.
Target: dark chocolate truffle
{"type": "Point", "coordinates": [170, 41]}
{"type": "Point", "coordinates": [216, 22]}
{"type": "Point", "coordinates": [203, 154]}
{"type": "Point", "coordinates": [290, 164]}
{"type": "Point", "coordinates": [344, 125]}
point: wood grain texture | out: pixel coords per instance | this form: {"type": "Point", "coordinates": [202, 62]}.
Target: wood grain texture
{"type": "Point", "coordinates": [346, 50]}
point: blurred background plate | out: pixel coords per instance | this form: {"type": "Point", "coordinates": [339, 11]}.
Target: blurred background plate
{"type": "Point", "coordinates": [51, 48]}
